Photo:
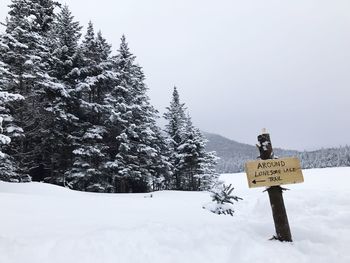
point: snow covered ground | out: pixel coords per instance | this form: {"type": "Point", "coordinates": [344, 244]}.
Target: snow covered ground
{"type": "Point", "coordinates": [42, 223]}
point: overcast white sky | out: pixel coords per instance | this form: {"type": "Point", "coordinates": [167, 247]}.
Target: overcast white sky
{"type": "Point", "coordinates": [240, 65]}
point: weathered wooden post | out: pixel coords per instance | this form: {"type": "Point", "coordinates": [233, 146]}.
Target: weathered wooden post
{"type": "Point", "coordinates": [275, 193]}
{"type": "Point", "coordinates": [271, 172]}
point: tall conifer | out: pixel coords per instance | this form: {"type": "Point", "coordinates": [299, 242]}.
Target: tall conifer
{"type": "Point", "coordinates": [193, 168]}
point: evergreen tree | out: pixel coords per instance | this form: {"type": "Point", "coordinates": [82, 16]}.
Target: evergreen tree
{"type": "Point", "coordinates": [190, 150]}
{"type": "Point", "coordinates": [9, 170]}
{"type": "Point", "coordinates": [222, 200]}
{"type": "Point", "coordinates": [174, 129]}
{"type": "Point", "coordinates": [67, 33]}
{"type": "Point", "coordinates": [28, 60]}
{"type": "Point", "coordinates": [193, 166]}
{"type": "Point", "coordinates": [139, 159]}
{"type": "Point", "coordinates": [65, 68]}
{"type": "Point", "coordinates": [91, 148]}
{"type": "Point", "coordinates": [161, 167]}
{"type": "Point", "coordinates": [207, 175]}
{"type": "Point", "coordinates": [42, 14]}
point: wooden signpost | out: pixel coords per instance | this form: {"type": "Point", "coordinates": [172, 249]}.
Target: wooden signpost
{"type": "Point", "coordinates": [274, 172]}
{"type": "Point", "coordinates": [271, 172]}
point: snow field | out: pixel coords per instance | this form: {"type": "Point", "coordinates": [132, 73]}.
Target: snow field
{"type": "Point", "coordinates": [46, 223]}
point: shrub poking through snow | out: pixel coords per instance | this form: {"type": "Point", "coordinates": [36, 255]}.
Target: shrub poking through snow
{"type": "Point", "coordinates": [222, 200]}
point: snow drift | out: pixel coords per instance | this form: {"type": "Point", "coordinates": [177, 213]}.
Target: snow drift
{"type": "Point", "coordinates": [46, 223]}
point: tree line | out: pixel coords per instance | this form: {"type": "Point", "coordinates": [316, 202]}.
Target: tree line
{"type": "Point", "coordinates": [323, 158]}
{"type": "Point", "coordinates": [78, 114]}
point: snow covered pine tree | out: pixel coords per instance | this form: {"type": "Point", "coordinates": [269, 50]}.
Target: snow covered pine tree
{"type": "Point", "coordinates": [28, 58]}
{"type": "Point", "coordinates": [140, 164]}
{"type": "Point", "coordinates": [193, 166]}
{"type": "Point", "coordinates": [90, 148]}
{"type": "Point", "coordinates": [65, 64]}
{"type": "Point", "coordinates": [9, 170]}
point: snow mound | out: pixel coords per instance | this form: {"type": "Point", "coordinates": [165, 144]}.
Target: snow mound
{"type": "Point", "coordinates": [34, 188]}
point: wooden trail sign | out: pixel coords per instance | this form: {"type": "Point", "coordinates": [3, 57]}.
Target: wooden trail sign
{"type": "Point", "coordinates": [271, 172]}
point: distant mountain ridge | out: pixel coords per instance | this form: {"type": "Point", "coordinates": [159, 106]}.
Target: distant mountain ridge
{"type": "Point", "coordinates": [233, 154]}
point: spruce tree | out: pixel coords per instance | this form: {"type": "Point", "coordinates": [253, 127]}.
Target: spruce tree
{"type": "Point", "coordinates": [91, 149]}
{"type": "Point", "coordinates": [28, 59]}
{"type": "Point", "coordinates": [9, 170]}
{"type": "Point", "coordinates": [67, 33]}
{"type": "Point", "coordinates": [193, 168]}
{"type": "Point", "coordinates": [161, 167]}
{"type": "Point", "coordinates": [190, 150]}
{"type": "Point", "coordinates": [174, 129]}
{"type": "Point", "coordinates": [65, 67]}
{"type": "Point", "coordinates": [139, 163]}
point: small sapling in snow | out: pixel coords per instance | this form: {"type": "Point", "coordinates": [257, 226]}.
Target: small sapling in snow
{"type": "Point", "coordinates": [222, 200]}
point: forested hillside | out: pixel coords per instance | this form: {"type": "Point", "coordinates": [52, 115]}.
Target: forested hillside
{"type": "Point", "coordinates": [233, 155]}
